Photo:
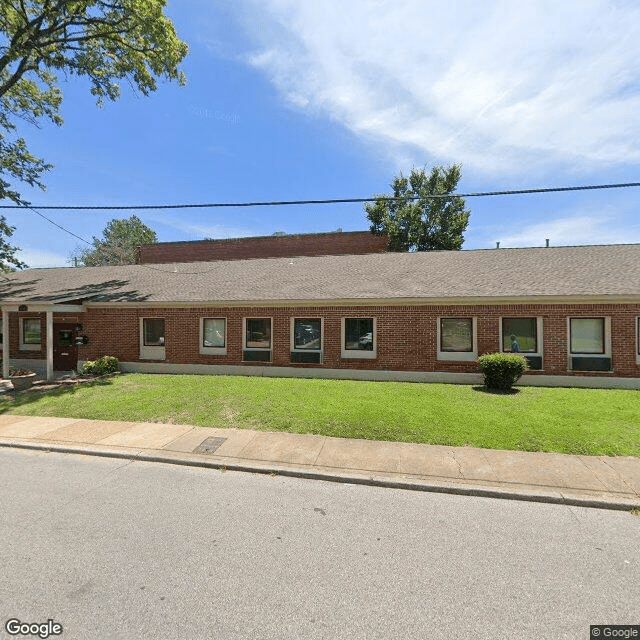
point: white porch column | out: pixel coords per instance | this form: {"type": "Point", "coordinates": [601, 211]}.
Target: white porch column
{"type": "Point", "coordinates": [49, 345]}
{"type": "Point", "coordinates": [5, 343]}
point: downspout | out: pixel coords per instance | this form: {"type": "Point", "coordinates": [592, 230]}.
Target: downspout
{"type": "Point", "coordinates": [49, 345]}
{"type": "Point", "coordinates": [5, 343]}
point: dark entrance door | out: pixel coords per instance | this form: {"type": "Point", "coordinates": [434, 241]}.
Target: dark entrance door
{"type": "Point", "coordinates": [65, 351]}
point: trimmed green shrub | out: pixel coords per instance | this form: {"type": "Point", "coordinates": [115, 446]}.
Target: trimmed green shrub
{"type": "Point", "coordinates": [501, 370]}
{"type": "Point", "coordinates": [101, 367]}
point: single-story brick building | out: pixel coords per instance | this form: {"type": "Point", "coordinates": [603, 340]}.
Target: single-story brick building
{"type": "Point", "coordinates": [574, 312]}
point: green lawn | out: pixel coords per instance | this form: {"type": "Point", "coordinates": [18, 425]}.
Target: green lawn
{"type": "Point", "coordinates": [579, 421]}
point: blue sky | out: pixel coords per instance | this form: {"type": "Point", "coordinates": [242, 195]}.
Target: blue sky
{"type": "Point", "coordinates": [308, 100]}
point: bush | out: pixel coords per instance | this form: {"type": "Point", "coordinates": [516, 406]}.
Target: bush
{"type": "Point", "coordinates": [100, 367]}
{"type": "Point", "coordinates": [501, 370]}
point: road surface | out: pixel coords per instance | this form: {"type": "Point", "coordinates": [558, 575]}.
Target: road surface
{"type": "Point", "coordinates": [113, 549]}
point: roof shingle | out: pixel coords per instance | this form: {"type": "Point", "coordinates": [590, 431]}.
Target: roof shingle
{"type": "Point", "coordinates": [607, 270]}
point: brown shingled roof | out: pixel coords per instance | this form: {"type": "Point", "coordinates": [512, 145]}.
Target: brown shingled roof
{"type": "Point", "coordinates": [588, 271]}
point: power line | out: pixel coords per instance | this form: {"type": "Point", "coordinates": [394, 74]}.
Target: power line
{"type": "Point", "coordinates": [211, 205]}
{"type": "Point", "coordinates": [298, 202]}
{"type": "Point", "coordinates": [55, 224]}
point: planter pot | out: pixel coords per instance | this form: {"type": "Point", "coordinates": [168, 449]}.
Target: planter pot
{"type": "Point", "coordinates": [20, 383]}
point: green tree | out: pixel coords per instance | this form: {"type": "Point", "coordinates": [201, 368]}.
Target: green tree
{"type": "Point", "coordinates": [119, 242]}
{"type": "Point", "coordinates": [8, 260]}
{"type": "Point", "coordinates": [414, 221]}
{"type": "Point", "coordinates": [107, 41]}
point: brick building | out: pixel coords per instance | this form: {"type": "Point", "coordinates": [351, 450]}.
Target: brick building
{"type": "Point", "coordinates": [574, 312]}
{"type": "Point", "coordinates": [275, 246]}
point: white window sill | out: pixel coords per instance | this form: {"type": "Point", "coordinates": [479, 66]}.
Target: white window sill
{"type": "Point", "coordinates": [457, 356]}
{"type": "Point", "coordinates": [30, 347]}
{"type": "Point", "coordinates": [589, 355]}
{"type": "Point", "coordinates": [152, 353]}
{"type": "Point", "coordinates": [523, 353]}
{"type": "Point", "coordinates": [213, 351]}
{"type": "Point", "coordinates": [359, 355]}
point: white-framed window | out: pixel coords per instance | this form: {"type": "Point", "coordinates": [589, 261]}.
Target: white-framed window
{"type": "Point", "coordinates": [152, 343]}
{"type": "Point", "coordinates": [307, 334]}
{"type": "Point", "coordinates": [589, 343]}
{"type": "Point", "coordinates": [257, 339]}
{"type": "Point", "coordinates": [524, 336]}
{"type": "Point", "coordinates": [359, 338]}
{"type": "Point", "coordinates": [213, 336]}
{"type": "Point", "coordinates": [30, 334]}
{"type": "Point", "coordinates": [457, 338]}
{"type": "Point", "coordinates": [587, 336]}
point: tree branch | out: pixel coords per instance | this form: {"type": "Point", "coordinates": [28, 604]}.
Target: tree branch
{"type": "Point", "coordinates": [23, 67]}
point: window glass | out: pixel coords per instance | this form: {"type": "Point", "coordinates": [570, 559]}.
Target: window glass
{"type": "Point", "coordinates": [456, 334]}
{"type": "Point", "coordinates": [153, 329]}
{"type": "Point", "coordinates": [520, 335]}
{"type": "Point", "coordinates": [258, 333]}
{"type": "Point", "coordinates": [587, 335]}
{"type": "Point", "coordinates": [65, 338]}
{"type": "Point", "coordinates": [358, 334]}
{"type": "Point", "coordinates": [31, 331]}
{"type": "Point", "coordinates": [213, 332]}
{"type": "Point", "coordinates": [306, 333]}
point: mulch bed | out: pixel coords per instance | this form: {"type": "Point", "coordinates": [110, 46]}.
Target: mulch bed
{"type": "Point", "coordinates": [44, 385]}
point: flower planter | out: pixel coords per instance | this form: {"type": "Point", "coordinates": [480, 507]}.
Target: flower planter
{"type": "Point", "coordinates": [20, 383]}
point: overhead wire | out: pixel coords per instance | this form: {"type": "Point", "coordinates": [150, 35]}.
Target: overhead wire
{"type": "Point", "coordinates": [274, 203]}
{"type": "Point", "coordinates": [297, 202]}
{"type": "Point", "coordinates": [75, 235]}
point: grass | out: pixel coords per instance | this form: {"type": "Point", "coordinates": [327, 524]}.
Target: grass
{"type": "Point", "coordinates": [576, 421]}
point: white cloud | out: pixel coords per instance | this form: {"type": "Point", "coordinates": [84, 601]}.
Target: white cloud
{"type": "Point", "coordinates": [499, 86]}
{"type": "Point", "coordinates": [197, 231]}
{"type": "Point", "coordinates": [571, 231]}
{"type": "Point", "coordinates": [37, 258]}
{"type": "Point", "coordinates": [215, 231]}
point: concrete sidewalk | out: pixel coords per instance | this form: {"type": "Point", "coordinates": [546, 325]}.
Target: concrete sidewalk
{"type": "Point", "coordinates": [605, 482]}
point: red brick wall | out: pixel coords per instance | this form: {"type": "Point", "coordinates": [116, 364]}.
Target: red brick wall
{"type": "Point", "coordinates": [311, 244]}
{"type": "Point", "coordinates": [406, 336]}
{"type": "Point", "coordinates": [14, 333]}
{"type": "Point", "coordinates": [14, 336]}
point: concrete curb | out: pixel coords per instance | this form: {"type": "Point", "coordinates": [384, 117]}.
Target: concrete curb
{"type": "Point", "coordinates": [170, 457]}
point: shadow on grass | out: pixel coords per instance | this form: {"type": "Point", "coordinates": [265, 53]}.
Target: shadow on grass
{"type": "Point", "coordinates": [15, 399]}
{"type": "Point", "coordinates": [495, 392]}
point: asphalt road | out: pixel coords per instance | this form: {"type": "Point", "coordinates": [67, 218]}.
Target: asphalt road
{"type": "Point", "coordinates": [115, 549]}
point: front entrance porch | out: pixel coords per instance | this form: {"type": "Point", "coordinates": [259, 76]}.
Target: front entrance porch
{"type": "Point", "coordinates": [59, 339]}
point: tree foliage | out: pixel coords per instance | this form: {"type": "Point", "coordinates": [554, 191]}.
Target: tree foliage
{"type": "Point", "coordinates": [119, 242]}
{"type": "Point", "coordinates": [107, 41]}
{"type": "Point", "coordinates": [415, 222]}
{"type": "Point", "coordinates": [8, 260]}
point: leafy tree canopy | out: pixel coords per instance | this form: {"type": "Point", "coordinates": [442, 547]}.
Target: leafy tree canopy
{"type": "Point", "coordinates": [8, 260]}
{"type": "Point", "coordinates": [119, 242]}
{"type": "Point", "coordinates": [423, 223]}
{"type": "Point", "coordinates": [105, 40]}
